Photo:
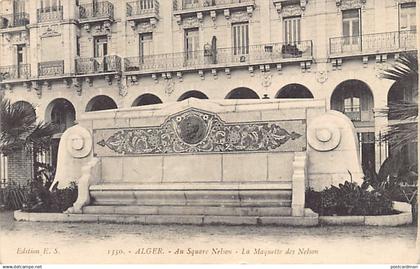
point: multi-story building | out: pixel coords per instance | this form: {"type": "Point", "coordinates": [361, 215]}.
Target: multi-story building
{"type": "Point", "coordinates": [66, 57]}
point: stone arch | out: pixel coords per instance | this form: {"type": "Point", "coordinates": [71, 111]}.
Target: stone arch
{"type": "Point", "coordinates": [192, 94]}
{"type": "Point", "coordinates": [100, 102]}
{"type": "Point", "coordinates": [242, 93]}
{"type": "Point", "coordinates": [25, 104]}
{"type": "Point", "coordinates": [147, 99]}
{"type": "Point", "coordinates": [355, 99]}
{"type": "Point", "coordinates": [402, 91]}
{"type": "Point", "coordinates": [62, 113]}
{"type": "Point", "coordinates": [294, 91]}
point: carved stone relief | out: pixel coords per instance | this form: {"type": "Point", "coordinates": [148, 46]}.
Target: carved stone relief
{"type": "Point", "coordinates": [241, 16]}
{"type": "Point", "coordinates": [195, 131]}
{"type": "Point", "coordinates": [291, 10]}
{"type": "Point", "coordinates": [350, 4]}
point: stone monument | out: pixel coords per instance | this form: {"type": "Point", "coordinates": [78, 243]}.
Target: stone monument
{"type": "Point", "coordinates": [204, 161]}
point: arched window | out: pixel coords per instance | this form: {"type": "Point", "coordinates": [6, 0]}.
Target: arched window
{"type": "Point", "coordinates": [101, 102]}
{"type": "Point", "coordinates": [294, 91]}
{"type": "Point", "coordinates": [192, 94]}
{"type": "Point", "coordinates": [147, 99]}
{"type": "Point", "coordinates": [242, 93]}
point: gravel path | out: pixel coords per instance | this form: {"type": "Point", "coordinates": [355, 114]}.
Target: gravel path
{"type": "Point", "coordinates": [118, 243]}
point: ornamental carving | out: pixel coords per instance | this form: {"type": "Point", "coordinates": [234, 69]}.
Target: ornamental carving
{"type": "Point", "coordinates": [50, 32]}
{"type": "Point", "coordinates": [18, 38]}
{"type": "Point", "coordinates": [291, 10]}
{"type": "Point", "coordinates": [191, 22]}
{"type": "Point", "coordinates": [321, 76]}
{"type": "Point", "coordinates": [194, 131]}
{"type": "Point", "coordinates": [350, 4]}
{"type": "Point", "coordinates": [380, 69]}
{"type": "Point", "coordinates": [241, 16]}
{"type": "Point", "coordinates": [169, 87]}
{"type": "Point", "coordinates": [145, 27]}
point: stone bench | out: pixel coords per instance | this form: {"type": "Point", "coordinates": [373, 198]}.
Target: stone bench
{"type": "Point", "coordinates": [201, 157]}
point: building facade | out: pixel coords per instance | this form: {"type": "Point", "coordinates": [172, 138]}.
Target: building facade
{"type": "Point", "coordinates": [67, 57]}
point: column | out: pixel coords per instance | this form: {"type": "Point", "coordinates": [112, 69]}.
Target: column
{"type": "Point", "coordinates": [381, 124]}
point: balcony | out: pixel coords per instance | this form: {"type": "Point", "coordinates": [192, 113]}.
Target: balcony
{"type": "Point", "coordinates": [107, 64]}
{"type": "Point", "coordinates": [373, 43]}
{"type": "Point", "coordinates": [184, 6]}
{"type": "Point", "coordinates": [13, 22]}
{"type": "Point", "coordinates": [94, 12]}
{"type": "Point", "coordinates": [50, 14]}
{"type": "Point", "coordinates": [143, 10]}
{"type": "Point", "coordinates": [219, 58]}
{"type": "Point", "coordinates": [51, 69]}
{"type": "Point", "coordinates": [15, 72]}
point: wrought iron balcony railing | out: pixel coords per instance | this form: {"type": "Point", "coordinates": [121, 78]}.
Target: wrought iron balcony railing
{"type": "Point", "coordinates": [180, 5]}
{"type": "Point", "coordinates": [50, 14]}
{"type": "Point", "coordinates": [98, 10]}
{"type": "Point", "coordinates": [258, 54]}
{"type": "Point", "coordinates": [12, 72]}
{"type": "Point", "coordinates": [371, 43]}
{"type": "Point", "coordinates": [14, 20]}
{"type": "Point", "coordinates": [142, 7]}
{"type": "Point", "coordinates": [353, 115]}
{"type": "Point", "coordinates": [111, 63]}
{"type": "Point", "coordinates": [51, 69]}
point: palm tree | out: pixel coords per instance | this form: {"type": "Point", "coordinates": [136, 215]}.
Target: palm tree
{"type": "Point", "coordinates": [404, 132]}
{"type": "Point", "coordinates": [19, 129]}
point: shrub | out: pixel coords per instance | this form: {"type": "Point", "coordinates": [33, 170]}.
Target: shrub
{"type": "Point", "coordinates": [41, 199]}
{"type": "Point", "coordinates": [13, 196]}
{"type": "Point", "coordinates": [348, 199]}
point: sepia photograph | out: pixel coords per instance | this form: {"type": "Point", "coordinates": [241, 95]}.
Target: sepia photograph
{"type": "Point", "coordinates": [209, 132]}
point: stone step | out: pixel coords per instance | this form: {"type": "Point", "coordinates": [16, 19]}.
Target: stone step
{"type": "Point", "coordinates": [189, 210]}
{"type": "Point", "coordinates": [309, 219]}
{"type": "Point", "coordinates": [194, 194]}
{"type": "Point", "coordinates": [255, 185]}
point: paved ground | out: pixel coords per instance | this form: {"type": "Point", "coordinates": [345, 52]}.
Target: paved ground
{"type": "Point", "coordinates": [25, 242]}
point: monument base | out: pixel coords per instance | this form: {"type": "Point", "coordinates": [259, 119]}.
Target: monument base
{"type": "Point", "coordinates": [310, 219]}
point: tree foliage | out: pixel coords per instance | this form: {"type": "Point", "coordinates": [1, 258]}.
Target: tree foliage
{"type": "Point", "coordinates": [19, 128]}
{"type": "Point", "coordinates": [405, 72]}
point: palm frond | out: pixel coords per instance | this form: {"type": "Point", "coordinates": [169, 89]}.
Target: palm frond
{"type": "Point", "coordinates": [404, 69]}
{"type": "Point", "coordinates": [41, 134]}
{"type": "Point", "coordinates": [17, 118]}
{"type": "Point", "coordinates": [19, 128]}
{"type": "Point", "coordinates": [401, 134]}
{"type": "Point", "coordinates": [403, 110]}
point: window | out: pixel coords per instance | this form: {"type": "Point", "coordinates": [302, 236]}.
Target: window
{"type": "Point", "coordinates": [240, 36]}
{"type": "Point", "coordinates": [78, 46]}
{"type": "Point", "coordinates": [18, 6]}
{"type": "Point", "coordinates": [21, 60]}
{"type": "Point", "coordinates": [50, 5]}
{"type": "Point", "coordinates": [20, 54]}
{"type": "Point", "coordinates": [351, 26]}
{"type": "Point", "coordinates": [146, 46]}
{"type": "Point", "coordinates": [292, 30]}
{"type": "Point", "coordinates": [191, 42]}
{"type": "Point", "coordinates": [101, 46]}
{"type": "Point", "coordinates": [408, 17]}
{"type": "Point", "coordinates": [189, 3]}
